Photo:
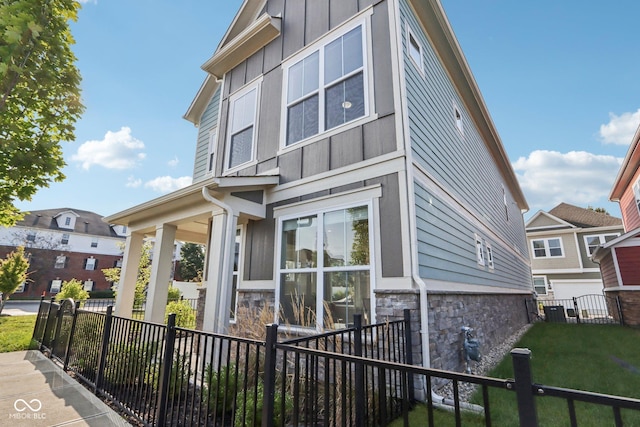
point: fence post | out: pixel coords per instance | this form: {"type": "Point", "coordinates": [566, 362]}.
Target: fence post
{"type": "Point", "coordinates": [167, 362]}
{"type": "Point", "coordinates": [521, 358]}
{"type": "Point", "coordinates": [67, 353]}
{"type": "Point", "coordinates": [106, 334]}
{"type": "Point", "coordinates": [359, 370]}
{"type": "Point", "coordinates": [409, 351]}
{"type": "Point", "coordinates": [268, 398]}
{"type": "Point", "coordinates": [575, 309]}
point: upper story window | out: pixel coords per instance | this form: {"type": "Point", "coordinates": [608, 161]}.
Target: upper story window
{"type": "Point", "coordinates": [242, 123]}
{"type": "Point", "coordinates": [90, 264]}
{"type": "Point", "coordinates": [31, 236]}
{"type": "Point", "coordinates": [415, 50]}
{"type": "Point", "coordinates": [211, 151]}
{"type": "Point", "coordinates": [94, 242]}
{"type": "Point", "coordinates": [67, 221]}
{"type": "Point", "coordinates": [592, 242]}
{"type": "Point", "coordinates": [327, 87]}
{"type": "Point", "coordinates": [546, 248]}
{"type": "Point", "coordinates": [458, 118]}
{"type": "Point", "coordinates": [636, 193]}
{"type": "Point", "coordinates": [65, 239]}
{"type": "Point", "coordinates": [61, 262]}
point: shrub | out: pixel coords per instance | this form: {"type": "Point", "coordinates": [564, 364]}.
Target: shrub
{"type": "Point", "coordinates": [245, 414]}
{"type": "Point", "coordinates": [105, 294]}
{"type": "Point", "coordinates": [185, 316]}
{"type": "Point", "coordinates": [220, 388]}
{"type": "Point", "coordinates": [173, 294]}
{"type": "Point", "coordinates": [72, 289]}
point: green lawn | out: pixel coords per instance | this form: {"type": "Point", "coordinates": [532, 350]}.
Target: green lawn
{"type": "Point", "coordinates": [16, 332]}
{"type": "Point", "coordinates": [598, 358]}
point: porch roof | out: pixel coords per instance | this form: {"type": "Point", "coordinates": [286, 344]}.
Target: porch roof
{"type": "Point", "coordinates": [185, 202]}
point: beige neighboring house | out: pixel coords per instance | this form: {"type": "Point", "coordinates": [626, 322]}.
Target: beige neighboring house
{"type": "Point", "coordinates": [561, 243]}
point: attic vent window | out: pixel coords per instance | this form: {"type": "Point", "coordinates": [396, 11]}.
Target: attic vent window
{"type": "Point", "coordinates": [458, 118]}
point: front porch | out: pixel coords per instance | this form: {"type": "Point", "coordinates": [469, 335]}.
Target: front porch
{"type": "Point", "coordinates": [206, 213]}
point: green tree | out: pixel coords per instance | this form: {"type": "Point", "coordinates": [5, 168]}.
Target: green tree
{"type": "Point", "coordinates": [142, 281]}
{"type": "Point", "coordinates": [39, 97]}
{"type": "Point", "coordinates": [72, 289]}
{"type": "Point", "coordinates": [13, 272]}
{"type": "Point", "coordinates": [191, 262]}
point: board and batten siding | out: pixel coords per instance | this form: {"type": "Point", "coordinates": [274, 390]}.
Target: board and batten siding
{"type": "Point", "coordinates": [208, 121]}
{"type": "Point", "coordinates": [304, 22]}
{"type": "Point", "coordinates": [460, 162]}
{"type": "Point", "coordinates": [447, 251]}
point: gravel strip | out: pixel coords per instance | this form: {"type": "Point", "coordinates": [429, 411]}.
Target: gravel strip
{"type": "Point", "coordinates": [488, 361]}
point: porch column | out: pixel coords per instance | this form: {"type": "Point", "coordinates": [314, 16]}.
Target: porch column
{"type": "Point", "coordinates": [219, 272]}
{"type": "Point", "coordinates": [160, 273]}
{"type": "Point", "coordinates": [129, 275]}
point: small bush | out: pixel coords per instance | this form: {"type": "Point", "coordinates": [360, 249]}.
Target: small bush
{"type": "Point", "coordinates": [220, 388]}
{"type": "Point", "coordinates": [173, 294]}
{"type": "Point", "coordinates": [185, 316]}
{"type": "Point", "coordinates": [72, 289]}
{"type": "Point", "coordinates": [245, 414]}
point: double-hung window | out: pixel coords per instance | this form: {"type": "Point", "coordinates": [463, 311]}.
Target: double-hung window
{"type": "Point", "coordinates": [211, 152]}
{"type": "Point", "coordinates": [325, 269]}
{"type": "Point", "coordinates": [242, 126]}
{"type": "Point", "coordinates": [479, 251]}
{"type": "Point", "coordinates": [540, 285]}
{"type": "Point", "coordinates": [90, 264]}
{"type": "Point", "coordinates": [327, 87]}
{"type": "Point", "coordinates": [61, 261]}
{"type": "Point", "coordinates": [592, 242]}
{"type": "Point", "coordinates": [547, 248]}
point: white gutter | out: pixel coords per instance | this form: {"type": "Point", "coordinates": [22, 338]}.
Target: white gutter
{"type": "Point", "coordinates": [221, 316]}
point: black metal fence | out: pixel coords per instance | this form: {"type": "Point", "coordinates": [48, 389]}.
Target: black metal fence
{"type": "Point", "coordinates": [595, 309]}
{"type": "Point", "coordinates": [363, 376]}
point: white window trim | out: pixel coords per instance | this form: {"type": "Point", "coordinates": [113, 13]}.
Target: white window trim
{"type": "Point", "coordinates": [87, 285]}
{"type": "Point", "coordinates": [411, 35]}
{"type": "Point", "coordinates": [239, 274]}
{"type": "Point", "coordinates": [257, 85]}
{"type": "Point", "coordinates": [212, 152]}
{"type": "Point", "coordinates": [489, 255]}
{"type": "Point", "coordinates": [601, 238]}
{"type": "Point", "coordinates": [320, 270]}
{"type": "Point", "coordinates": [547, 286]}
{"type": "Point", "coordinates": [479, 251]}
{"type": "Point", "coordinates": [363, 20]}
{"type": "Point", "coordinates": [547, 253]}
{"type": "Point", "coordinates": [93, 264]}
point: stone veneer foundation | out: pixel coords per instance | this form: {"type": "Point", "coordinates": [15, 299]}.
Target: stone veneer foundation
{"type": "Point", "coordinates": [630, 306]}
{"type": "Point", "coordinates": [493, 317]}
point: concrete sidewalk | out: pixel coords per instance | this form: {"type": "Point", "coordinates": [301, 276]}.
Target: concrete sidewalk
{"type": "Point", "coordinates": [34, 391]}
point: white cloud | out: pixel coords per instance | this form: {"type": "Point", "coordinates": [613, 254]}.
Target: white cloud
{"type": "Point", "coordinates": [577, 177]}
{"type": "Point", "coordinates": [133, 182]}
{"type": "Point", "coordinates": [620, 129]}
{"type": "Point", "coordinates": [118, 150]}
{"type": "Point", "coordinates": [167, 184]}
{"type": "Point", "coordinates": [173, 162]}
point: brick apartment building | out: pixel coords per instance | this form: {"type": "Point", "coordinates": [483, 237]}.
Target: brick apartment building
{"type": "Point", "coordinates": [64, 244]}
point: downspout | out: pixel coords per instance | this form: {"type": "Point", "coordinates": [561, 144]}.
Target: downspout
{"type": "Point", "coordinates": [228, 244]}
{"type": "Point", "coordinates": [438, 401]}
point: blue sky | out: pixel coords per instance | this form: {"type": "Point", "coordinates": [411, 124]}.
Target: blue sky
{"type": "Point", "coordinates": [560, 80]}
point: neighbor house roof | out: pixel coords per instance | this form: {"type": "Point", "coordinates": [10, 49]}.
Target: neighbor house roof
{"type": "Point", "coordinates": [87, 222]}
{"type": "Point", "coordinates": [584, 218]}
